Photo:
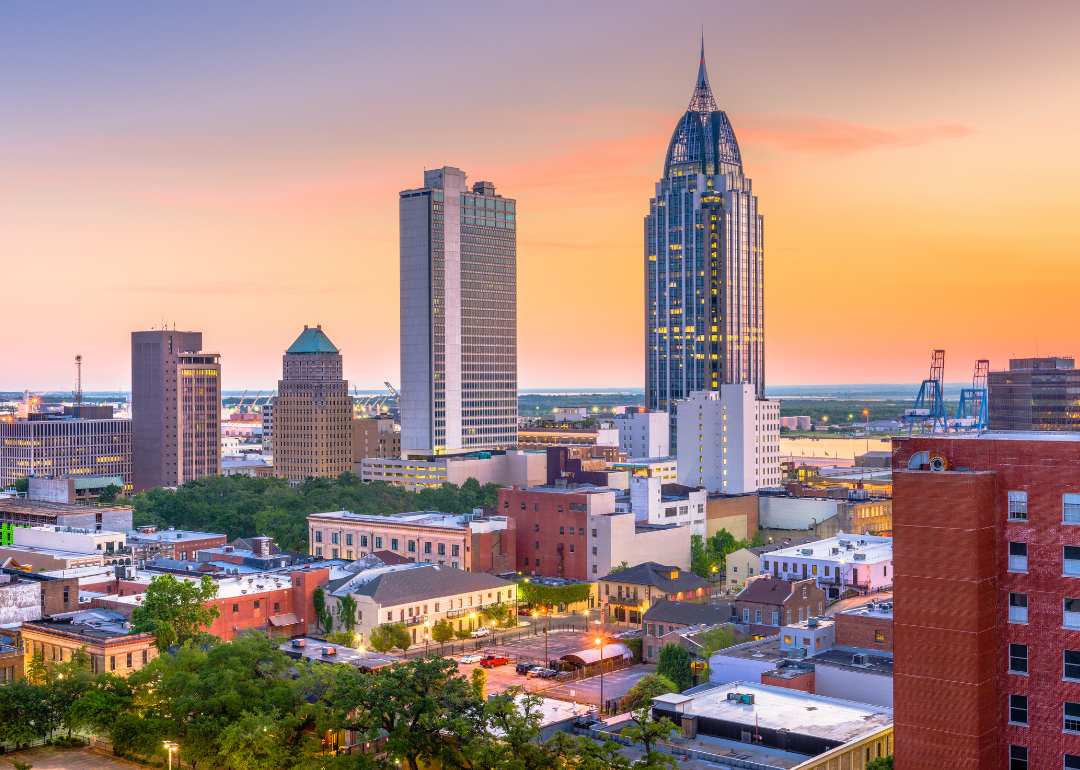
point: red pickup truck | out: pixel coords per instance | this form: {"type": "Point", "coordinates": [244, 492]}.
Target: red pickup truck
{"type": "Point", "coordinates": [490, 661]}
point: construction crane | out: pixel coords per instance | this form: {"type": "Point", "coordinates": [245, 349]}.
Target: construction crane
{"type": "Point", "coordinates": [255, 402]}
{"type": "Point", "coordinates": [242, 398]}
{"type": "Point", "coordinates": [391, 389]}
{"type": "Point", "coordinates": [972, 412]}
{"type": "Point", "coordinates": [930, 403]}
{"type": "Point", "coordinates": [78, 380]}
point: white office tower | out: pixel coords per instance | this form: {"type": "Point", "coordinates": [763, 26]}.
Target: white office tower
{"type": "Point", "coordinates": [643, 434]}
{"type": "Point", "coordinates": [729, 440]}
{"type": "Point", "coordinates": [458, 317]}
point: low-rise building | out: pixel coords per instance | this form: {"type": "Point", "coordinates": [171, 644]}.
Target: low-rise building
{"type": "Point", "coordinates": [662, 466]}
{"type": "Point", "coordinates": [737, 513]}
{"type": "Point", "coordinates": [179, 544]}
{"type": "Point", "coordinates": [766, 604]}
{"type": "Point", "coordinates": [467, 542]}
{"type": "Point", "coordinates": [374, 437]}
{"type": "Point", "coordinates": [75, 539]}
{"type": "Point", "coordinates": [503, 467]}
{"type": "Point", "coordinates": [419, 595]}
{"type": "Point", "coordinates": [30, 512]}
{"type": "Point", "coordinates": [250, 464]}
{"type": "Point", "coordinates": [627, 593]}
{"type": "Point", "coordinates": [862, 563]}
{"type": "Point", "coordinates": [745, 564]}
{"type": "Point", "coordinates": [665, 617]}
{"type": "Point", "coordinates": [106, 637]}
{"type": "Point", "coordinates": [47, 559]}
{"type": "Point", "coordinates": [585, 465]}
{"type": "Point", "coordinates": [869, 627]}
{"type": "Point", "coordinates": [320, 651]}
{"type": "Point", "coordinates": [654, 501]}
{"type": "Point", "coordinates": [544, 437]}
{"type": "Point", "coordinates": [643, 433]}
{"type": "Point", "coordinates": [12, 657]}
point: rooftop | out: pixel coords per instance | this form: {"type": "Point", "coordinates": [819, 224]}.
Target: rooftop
{"type": "Point", "coordinates": [778, 708]}
{"type": "Point", "coordinates": [765, 590]}
{"type": "Point", "coordinates": [414, 519]}
{"type": "Point", "coordinates": [98, 624]}
{"type": "Point", "coordinates": [312, 341]}
{"type": "Point", "coordinates": [412, 583]}
{"type": "Point", "coordinates": [773, 650]}
{"type": "Point", "coordinates": [135, 537]}
{"type": "Point", "coordinates": [687, 613]}
{"type": "Point", "coordinates": [232, 587]}
{"type": "Point", "coordinates": [652, 574]}
{"type": "Point", "coordinates": [316, 650]}
{"type": "Point", "coordinates": [842, 548]}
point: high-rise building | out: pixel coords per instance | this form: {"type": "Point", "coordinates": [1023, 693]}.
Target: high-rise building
{"type": "Point", "coordinates": [458, 317]}
{"type": "Point", "coordinates": [176, 409]}
{"type": "Point", "coordinates": [729, 440]}
{"type": "Point", "coordinates": [312, 411]}
{"type": "Point", "coordinates": [704, 263]}
{"type": "Point", "coordinates": [85, 441]}
{"type": "Point", "coordinates": [1035, 394]}
{"type": "Point", "coordinates": [986, 548]}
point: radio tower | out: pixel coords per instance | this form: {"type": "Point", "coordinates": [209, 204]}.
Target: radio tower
{"type": "Point", "coordinates": [78, 380]}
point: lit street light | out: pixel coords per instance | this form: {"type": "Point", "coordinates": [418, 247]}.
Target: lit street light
{"type": "Point", "coordinates": [600, 641]}
{"type": "Point", "coordinates": [170, 747]}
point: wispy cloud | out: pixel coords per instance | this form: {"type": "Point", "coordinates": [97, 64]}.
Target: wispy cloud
{"type": "Point", "coordinates": [813, 135]}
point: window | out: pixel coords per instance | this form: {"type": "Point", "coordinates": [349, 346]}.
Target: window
{"type": "Point", "coordinates": [594, 569]}
{"type": "Point", "coordinates": [560, 509]}
{"type": "Point", "coordinates": [112, 663]}
{"type": "Point", "coordinates": [378, 542]}
{"type": "Point", "coordinates": [335, 553]}
{"type": "Point", "coordinates": [1072, 762]}
{"type": "Point", "coordinates": [1018, 758]}
{"type": "Point", "coordinates": [1018, 709]}
{"type": "Point", "coordinates": [277, 606]}
{"type": "Point", "coordinates": [318, 551]}
{"type": "Point", "coordinates": [427, 547]}
{"type": "Point", "coordinates": [562, 530]}
{"type": "Point", "coordinates": [145, 656]}
{"type": "Point", "coordinates": [757, 616]}
{"type": "Point", "coordinates": [571, 548]}
{"type": "Point", "coordinates": [455, 550]}
{"type": "Point", "coordinates": [526, 561]}
{"type": "Point", "coordinates": [1072, 664]}
{"type": "Point", "coordinates": [390, 616]}
{"type": "Point", "coordinates": [735, 570]}
{"type": "Point", "coordinates": [661, 630]}
{"type": "Point", "coordinates": [1018, 506]}
{"type": "Point", "coordinates": [1018, 608]}
{"type": "Point", "coordinates": [813, 569]}
{"type": "Point", "coordinates": [1071, 560]}
{"type": "Point", "coordinates": [765, 566]}
{"type": "Point", "coordinates": [393, 544]}
{"type": "Point", "coordinates": [442, 549]}
{"type": "Point", "coordinates": [363, 541]}
{"type": "Point", "coordinates": [236, 607]}
{"type": "Point", "coordinates": [746, 616]}
{"type": "Point", "coordinates": [537, 548]}
{"type": "Point", "coordinates": [594, 550]}
{"type": "Point", "coordinates": [804, 592]}
{"type": "Point", "coordinates": [800, 614]}
{"type": "Point", "coordinates": [1071, 613]}
{"type": "Point", "coordinates": [334, 538]}
{"type": "Point", "coordinates": [536, 507]}
{"type": "Point", "coordinates": [1072, 717]}
{"type": "Point", "coordinates": [776, 618]}
{"type": "Point", "coordinates": [594, 533]}
{"type": "Point", "coordinates": [412, 546]}
{"type": "Point", "coordinates": [1018, 658]}
{"type": "Point", "coordinates": [66, 589]}
{"type": "Point", "coordinates": [256, 604]}
{"type": "Point", "coordinates": [648, 653]}
{"type": "Point", "coordinates": [826, 570]}
{"type": "Point", "coordinates": [506, 503]}
{"type": "Point", "coordinates": [523, 506]}
{"type": "Point", "coordinates": [536, 527]}
{"type": "Point", "coordinates": [1070, 509]}
{"type": "Point", "coordinates": [129, 661]}
{"type": "Point", "coordinates": [1018, 557]}
{"type": "Point", "coordinates": [879, 637]}
{"type": "Point", "coordinates": [318, 537]}
{"type": "Point", "coordinates": [348, 539]}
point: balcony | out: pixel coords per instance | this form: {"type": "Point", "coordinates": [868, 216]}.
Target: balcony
{"type": "Point", "coordinates": [624, 601]}
{"type": "Point", "coordinates": [416, 620]}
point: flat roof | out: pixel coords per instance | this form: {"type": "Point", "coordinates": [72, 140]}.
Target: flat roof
{"type": "Point", "coordinates": [779, 708]}
{"type": "Point", "coordinates": [54, 552]}
{"type": "Point", "coordinates": [1004, 435]}
{"type": "Point", "coordinates": [172, 534]}
{"type": "Point", "coordinates": [772, 650]}
{"type": "Point", "coordinates": [231, 587]}
{"type": "Point", "coordinates": [875, 547]}
{"type": "Point", "coordinates": [315, 649]}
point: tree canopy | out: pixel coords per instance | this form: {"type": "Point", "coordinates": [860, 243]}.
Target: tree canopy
{"type": "Point", "coordinates": [175, 610]}
{"type": "Point", "coordinates": [674, 664]}
{"type": "Point", "coordinates": [553, 596]}
{"type": "Point", "coordinates": [242, 506]}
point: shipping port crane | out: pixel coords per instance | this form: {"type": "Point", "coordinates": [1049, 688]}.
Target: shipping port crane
{"type": "Point", "coordinates": [972, 412]}
{"type": "Point", "coordinates": [930, 403]}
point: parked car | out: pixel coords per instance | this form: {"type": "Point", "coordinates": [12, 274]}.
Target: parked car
{"type": "Point", "coordinates": [547, 673]}
{"type": "Point", "coordinates": [490, 661]}
{"type": "Point", "coordinates": [482, 631]}
{"type": "Point", "coordinates": [470, 658]}
{"type": "Point", "coordinates": [524, 668]}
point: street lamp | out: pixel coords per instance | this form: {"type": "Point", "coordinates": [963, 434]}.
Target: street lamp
{"type": "Point", "coordinates": [170, 747]}
{"type": "Point", "coordinates": [600, 641]}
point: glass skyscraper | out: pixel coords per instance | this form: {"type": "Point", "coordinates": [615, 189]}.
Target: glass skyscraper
{"type": "Point", "coordinates": [704, 263]}
{"type": "Point", "coordinates": [458, 317]}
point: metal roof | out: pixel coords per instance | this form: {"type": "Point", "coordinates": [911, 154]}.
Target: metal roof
{"type": "Point", "coordinates": [312, 340]}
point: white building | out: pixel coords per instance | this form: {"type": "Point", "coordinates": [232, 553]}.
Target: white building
{"type": "Point", "coordinates": [862, 562]}
{"type": "Point", "coordinates": [656, 502]}
{"type": "Point", "coordinates": [514, 466]}
{"type": "Point", "coordinates": [69, 539]}
{"type": "Point", "coordinates": [644, 434]}
{"type": "Point", "coordinates": [728, 440]}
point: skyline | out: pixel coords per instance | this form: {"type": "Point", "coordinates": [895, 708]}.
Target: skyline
{"type": "Point", "coordinates": [255, 140]}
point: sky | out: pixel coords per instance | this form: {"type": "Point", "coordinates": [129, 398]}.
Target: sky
{"type": "Point", "coordinates": [234, 167]}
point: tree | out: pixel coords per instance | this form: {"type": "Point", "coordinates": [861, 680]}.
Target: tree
{"type": "Point", "coordinates": [880, 763]}
{"type": "Point", "coordinates": [702, 557]}
{"type": "Point", "coordinates": [387, 637]}
{"type": "Point", "coordinates": [423, 709]}
{"type": "Point", "coordinates": [649, 732]}
{"type": "Point", "coordinates": [344, 638]}
{"type": "Point", "coordinates": [442, 632]}
{"type": "Point", "coordinates": [346, 610]}
{"type": "Point", "coordinates": [553, 596]}
{"type": "Point", "coordinates": [647, 688]}
{"type": "Point", "coordinates": [479, 682]}
{"type": "Point", "coordinates": [674, 663]}
{"type": "Point", "coordinates": [318, 598]}
{"type": "Point", "coordinates": [175, 610]}
{"type": "Point", "coordinates": [619, 568]}
{"type": "Point", "coordinates": [583, 753]}
{"type": "Point", "coordinates": [110, 493]}
{"type": "Point", "coordinates": [714, 640]}
{"type": "Point", "coordinates": [510, 739]}
{"type": "Point", "coordinates": [497, 613]}
{"type": "Point", "coordinates": [22, 485]}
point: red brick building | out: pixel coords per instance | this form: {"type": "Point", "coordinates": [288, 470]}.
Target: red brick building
{"type": "Point", "coordinates": [987, 558]}
{"type": "Point", "coordinates": [864, 629]}
{"type": "Point", "coordinates": [768, 603]}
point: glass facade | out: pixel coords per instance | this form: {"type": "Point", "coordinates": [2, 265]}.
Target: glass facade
{"type": "Point", "coordinates": [704, 264]}
{"type": "Point", "coordinates": [1035, 394]}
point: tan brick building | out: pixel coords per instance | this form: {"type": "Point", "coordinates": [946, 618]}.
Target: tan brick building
{"type": "Point", "coordinates": [374, 437]}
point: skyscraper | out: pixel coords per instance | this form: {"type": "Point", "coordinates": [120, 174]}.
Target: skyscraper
{"type": "Point", "coordinates": [312, 411]}
{"type": "Point", "coordinates": [704, 269]}
{"type": "Point", "coordinates": [458, 317]}
{"type": "Point", "coordinates": [176, 409]}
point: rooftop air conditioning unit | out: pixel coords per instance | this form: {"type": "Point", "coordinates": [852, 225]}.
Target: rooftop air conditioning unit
{"type": "Point", "coordinates": [299, 642]}
{"type": "Point", "coordinates": [844, 543]}
{"type": "Point", "coordinates": [741, 697]}
{"type": "Point", "coordinates": [797, 652]}
{"type": "Point", "coordinates": [812, 621]}
{"type": "Point", "coordinates": [807, 551]}
{"type": "Point", "coordinates": [860, 557]}
{"type": "Point", "coordinates": [330, 651]}
{"type": "Point", "coordinates": [243, 590]}
{"type": "Point", "coordinates": [835, 551]}
{"type": "Point", "coordinates": [860, 659]}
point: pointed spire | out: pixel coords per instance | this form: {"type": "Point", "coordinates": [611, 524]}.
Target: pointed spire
{"type": "Point", "coordinates": [702, 76]}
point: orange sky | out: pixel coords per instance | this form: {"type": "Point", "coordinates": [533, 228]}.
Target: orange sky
{"type": "Point", "coordinates": [236, 171]}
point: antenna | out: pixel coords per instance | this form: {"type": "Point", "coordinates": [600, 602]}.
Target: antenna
{"type": "Point", "coordinates": [78, 379]}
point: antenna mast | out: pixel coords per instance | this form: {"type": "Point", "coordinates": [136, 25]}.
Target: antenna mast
{"type": "Point", "coordinates": [78, 379]}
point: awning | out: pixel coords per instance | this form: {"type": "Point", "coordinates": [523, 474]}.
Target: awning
{"type": "Point", "coordinates": [288, 619]}
{"type": "Point", "coordinates": [592, 655]}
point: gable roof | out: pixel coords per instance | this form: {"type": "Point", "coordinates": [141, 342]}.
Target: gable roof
{"type": "Point", "coordinates": [765, 591]}
{"type": "Point", "coordinates": [686, 613]}
{"type": "Point", "coordinates": [423, 583]}
{"type": "Point", "coordinates": [652, 574]}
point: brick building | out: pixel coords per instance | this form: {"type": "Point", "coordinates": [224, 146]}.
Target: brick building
{"type": "Point", "coordinates": [105, 636]}
{"type": "Point", "coordinates": [628, 593]}
{"type": "Point", "coordinates": [987, 544]}
{"type": "Point", "coordinates": [768, 603]}
{"type": "Point", "coordinates": [28, 595]}
{"type": "Point", "coordinates": [170, 543]}
{"type": "Point", "coordinates": [869, 627]}
{"type": "Point", "coordinates": [665, 617]}
{"type": "Point", "coordinates": [585, 465]}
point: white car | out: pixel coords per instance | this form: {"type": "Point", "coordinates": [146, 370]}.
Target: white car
{"type": "Point", "coordinates": [482, 631]}
{"type": "Point", "coordinates": [470, 658]}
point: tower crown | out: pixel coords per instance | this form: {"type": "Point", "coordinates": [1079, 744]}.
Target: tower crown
{"type": "Point", "coordinates": [703, 141]}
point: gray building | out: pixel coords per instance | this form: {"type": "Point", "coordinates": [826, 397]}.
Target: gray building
{"type": "Point", "coordinates": [458, 317]}
{"type": "Point", "coordinates": [1035, 394]}
{"type": "Point", "coordinates": [704, 268]}
{"type": "Point", "coordinates": [176, 409]}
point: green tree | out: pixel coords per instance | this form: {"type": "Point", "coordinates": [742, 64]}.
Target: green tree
{"type": "Point", "coordinates": [425, 711]}
{"type": "Point", "coordinates": [390, 635]}
{"type": "Point", "coordinates": [649, 732]}
{"type": "Point", "coordinates": [619, 568]}
{"type": "Point", "coordinates": [583, 753]}
{"type": "Point", "coordinates": [110, 493]}
{"type": "Point", "coordinates": [479, 682]}
{"type": "Point", "coordinates": [175, 610]}
{"type": "Point", "coordinates": [442, 632]}
{"type": "Point", "coordinates": [344, 638]}
{"type": "Point", "coordinates": [674, 663]}
{"type": "Point", "coordinates": [880, 763]}
{"type": "Point", "coordinates": [647, 688]}
{"type": "Point", "coordinates": [318, 598]}
{"type": "Point", "coordinates": [346, 610]}
{"type": "Point", "coordinates": [22, 485]}
{"type": "Point", "coordinates": [714, 640]}
{"type": "Point", "coordinates": [510, 739]}
{"type": "Point", "coordinates": [496, 613]}
{"type": "Point", "coordinates": [26, 712]}
{"type": "Point", "coordinates": [702, 557]}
